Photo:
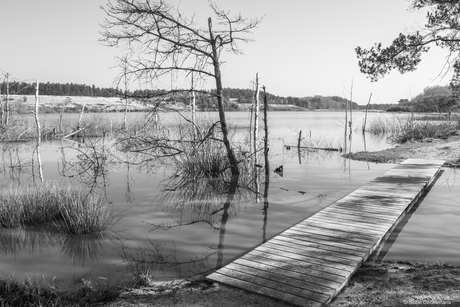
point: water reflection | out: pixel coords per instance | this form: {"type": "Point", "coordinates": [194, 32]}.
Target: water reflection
{"type": "Point", "coordinates": [390, 237]}
{"type": "Point", "coordinates": [190, 200]}
{"type": "Point", "coordinates": [88, 163]}
{"type": "Point", "coordinates": [13, 165]}
{"type": "Point", "coordinates": [77, 250]}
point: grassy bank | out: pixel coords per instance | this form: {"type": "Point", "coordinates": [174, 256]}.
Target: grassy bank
{"type": "Point", "coordinates": [388, 283]}
{"type": "Point", "coordinates": [33, 293]}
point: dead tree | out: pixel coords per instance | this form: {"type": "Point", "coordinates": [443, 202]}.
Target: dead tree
{"type": "Point", "coordinates": [164, 43]}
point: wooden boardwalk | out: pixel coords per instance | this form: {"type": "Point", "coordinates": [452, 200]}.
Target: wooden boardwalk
{"type": "Point", "coordinates": [309, 264]}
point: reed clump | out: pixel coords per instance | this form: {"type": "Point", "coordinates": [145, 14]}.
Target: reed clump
{"type": "Point", "coordinates": [408, 129]}
{"type": "Point", "coordinates": [69, 209]}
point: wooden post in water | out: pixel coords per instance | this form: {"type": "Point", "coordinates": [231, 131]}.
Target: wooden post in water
{"type": "Point", "coordinates": [256, 114]}
{"type": "Point", "coordinates": [267, 168]}
{"type": "Point", "coordinates": [298, 146]}
{"type": "Point", "coordinates": [256, 136]}
{"type": "Point", "coordinates": [266, 146]}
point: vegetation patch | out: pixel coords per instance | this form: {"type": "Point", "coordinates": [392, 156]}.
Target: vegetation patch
{"type": "Point", "coordinates": [402, 283]}
{"type": "Point", "coordinates": [40, 294]}
{"type": "Point", "coordinates": [69, 209]}
{"type": "Point", "coordinates": [401, 130]}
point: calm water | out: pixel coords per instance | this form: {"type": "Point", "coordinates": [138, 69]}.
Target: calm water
{"type": "Point", "coordinates": [174, 228]}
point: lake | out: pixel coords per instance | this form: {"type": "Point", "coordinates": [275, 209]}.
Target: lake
{"type": "Point", "coordinates": [165, 227]}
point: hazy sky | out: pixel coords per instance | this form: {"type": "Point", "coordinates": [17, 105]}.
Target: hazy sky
{"type": "Point", "coordinates": [301, 48]}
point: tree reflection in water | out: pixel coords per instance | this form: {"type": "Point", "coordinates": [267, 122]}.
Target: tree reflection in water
{"type": "Point", "coordinates": [76, 249]}
{"type": "Point", "coordinates": [13, 166]}
{"type": "Point", "coordinates": [190, 201]}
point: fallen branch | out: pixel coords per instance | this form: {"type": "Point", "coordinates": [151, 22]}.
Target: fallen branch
{"type": "Point", "coordinates": [73, 133]}
{"type": "Point", "coordinates": [313, 148]}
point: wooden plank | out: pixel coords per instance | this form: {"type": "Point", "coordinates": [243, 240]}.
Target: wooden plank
{"type": "Point", "coordinates": [272, 284]}
{"type": "Point", "coordinates": [358, 233]}
{"type": "Point", "coordinates": [324, 239]}
{"type": "Point", "coordinates": [327, 234]}
{"type": "Point", "coordinates": [275, 293]}
{"type": "Point", "coordinates": [364, 227]}
{"type": "Point", "coordinates": [298, 262]}
{"type": "Point", "coordinates": [306, 276]}
{"type": "Point", "coordinates": [309, 263]}
{"type": "Point", "coordinates": [307, 258]}
{"type": "Point", "coordinates": [369, 219]}
{"type": "Point", "coordinates": [283, 278]}
{"type": "Point", "coordinates": [313, 253]}
{"type": "Point", "coordinates": [368, 212]}
{"type": "Point", "coordinates": [347, 253]}
{"type": "Point", "coordinates": [325, 244]}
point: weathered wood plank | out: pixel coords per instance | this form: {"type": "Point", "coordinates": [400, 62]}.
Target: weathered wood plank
{"type": "Point", "coordinates": [314, 253]}
{"type": "Point", "coordinates": [323, 239]}
{"type": "Point", "coordinates": [289, 289]}
{"type": "Point", "coordinates": [309, 263]}
{"type": "Point", "coordinates": [352, 225]}
{"type": "Point", "coordinates": [279, 276]}
{"type": "Point", "coordinates": [326, 285]}
{"type": "Point", "coordinates": [305, 242]}
{"type": "Point", "coordinates": [325, 269]}
{"type": "Point", "coordinates": [307, 258]}
{"type": "Point", "coordinates": [327, 234]}
{"type": "Point", "coordinates": [368, 212]}
{"type": "Point", "coordinates": [275, 293]}
{"type": "Point", "coordinates": [372, 221]}
{"type": "Point", "coordinates": [337, 251]}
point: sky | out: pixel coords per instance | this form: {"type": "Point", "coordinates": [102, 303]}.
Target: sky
{"type": "Point", "coordinates": [301, 48]}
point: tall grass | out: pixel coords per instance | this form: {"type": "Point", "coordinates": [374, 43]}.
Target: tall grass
{"type": "Point", "coordinates": [69, 209]}
{"type": "Point", "coordinates": [402, 130]}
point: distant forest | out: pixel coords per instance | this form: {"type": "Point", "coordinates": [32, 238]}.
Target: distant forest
{"type": "Point", "coordinates": [232, 95]}
{"type": "Point", "coordinates": [59, 89]}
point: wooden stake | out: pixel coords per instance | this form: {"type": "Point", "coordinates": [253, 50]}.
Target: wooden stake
{"type": "Point", "coordinates": [256, 114]}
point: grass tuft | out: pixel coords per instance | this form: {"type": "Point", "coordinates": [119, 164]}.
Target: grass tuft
{"type": "Point", "coordinates": [69, 209]}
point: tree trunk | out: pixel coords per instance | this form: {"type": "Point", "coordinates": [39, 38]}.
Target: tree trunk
{"type": "Point", "coordinates": [256, 114]}
{"type": "Point", "coordinates": [193, 109]}
{"type": "Point", "coordinates": [230, 154]}
{"type": "Point", "coordinates": [37, 122]}
{"type": "Point", "coordinates": [365, 116]}
{"type": "Point", "coordinates": [7, 106]}
{"type": "Point", "coordinates": [1, 108]}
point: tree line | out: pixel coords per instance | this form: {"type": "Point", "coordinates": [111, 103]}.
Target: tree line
{"type": "Point", "coordinates": [204, 101]}
{"type": "Point", "coordinates": [59, 89]}
{"type": "Point", "coordinates": [433, 99]}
